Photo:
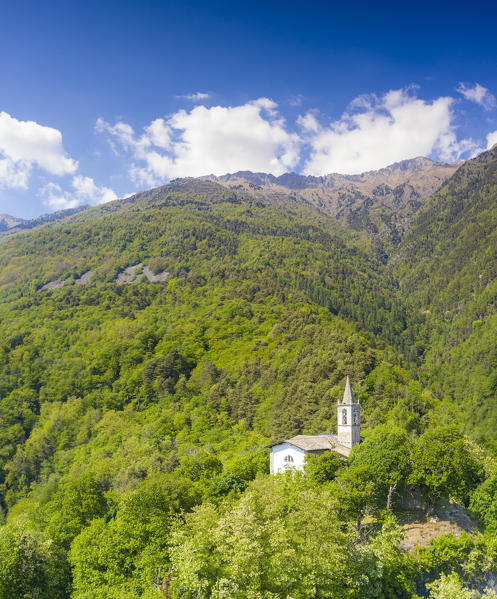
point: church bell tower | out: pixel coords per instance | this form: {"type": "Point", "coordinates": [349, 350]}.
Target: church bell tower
{"type": "Point", "coordinates": [348, 419]}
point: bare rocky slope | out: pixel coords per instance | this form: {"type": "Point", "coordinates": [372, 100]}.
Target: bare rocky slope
{"type": "Point", "coordinates": [382, 202]}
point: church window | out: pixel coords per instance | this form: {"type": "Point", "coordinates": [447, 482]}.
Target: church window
{"type": "Point", "coordinates": [288, 459]}
{"type": "Point", "coordinates": [344, 416]}
{"type": "Point", "coordinates": [356, 417]}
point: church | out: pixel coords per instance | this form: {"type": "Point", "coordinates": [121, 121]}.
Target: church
{"type": "Point", "coordinates": [291, 453]}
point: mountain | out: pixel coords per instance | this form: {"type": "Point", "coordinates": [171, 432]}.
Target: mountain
{"type": "Point", "coordinates": [244, 284]}
{"type": "Point", "coordinates": [381, 202]}
{"type": "Point", "coordinates": [151, 348]}
{"type": "Point", "coordinates": [10, 224]}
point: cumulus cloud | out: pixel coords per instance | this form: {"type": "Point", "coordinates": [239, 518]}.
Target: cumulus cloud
{"type": "Point", "coordinates": [196, 97]}
{"type": "Point", "coordinates": [24, 144]}
{"type": "Point", "coordinates": [478, 94]}
{"type": "Point", "coordinates": [374, 131]}
{"type": "Point", "coordinates": [83, 191]}
{"type": "Point", "coordinates": [308, 122]}
{"type": "Point", "coordinates": [14, 174]}
{"type": "Point", "coordinates": [491, 139]}
{"type": "Point", "coordinates": [378, 131]}
{"type": "Point", "coordinates": [215, 140]}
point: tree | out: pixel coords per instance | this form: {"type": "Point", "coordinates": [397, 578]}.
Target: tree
{"type": "Point", "coordinates": [385, 456]}
{"type": "Point", "coordinates": [398, 567]}
{"type": "Point", "coordinates": [31, 565]}
{"type": "Point", "coordinates": [323, 468]}
{"type": "Point", "coordinates": [449, 586]}
{"type": "Point", "coordinates": [443, 465]}
{"type": "Point", "coordinates": [121, 556]}
{"type": "Point", "coordinates": [281, 539]}
{"type": "Point", "coordinates": [75, 504]}
{"type": "Point", "coordinates": [484, 502]}
{"type": "Point", "coordinates": [354, 492]}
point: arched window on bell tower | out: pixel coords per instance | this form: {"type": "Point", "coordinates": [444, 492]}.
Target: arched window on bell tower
{"type": "Point", "coordinates": [344, 416]}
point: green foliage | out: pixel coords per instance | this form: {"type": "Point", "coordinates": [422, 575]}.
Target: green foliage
{"type": "Point", "coordinates": [31, 565]}
{"type": "Point", "coordinates": [399, 570]}
{"type": "Point", "coordinates": [324, 467]}
{"type": "Point", "coordinates": [110, 559]}
{"type": "Point", "coordinates": [74, 505]}
{"type": "Point", "coordinates": [484, 502]}
{"type": "Point", "coordinates": [472, 558]}
{"type": "Point", "coordinates": [354, 492]}
{"type": "Point", "coordinates": [237, 474]}
{"type": "Point", "coordinates": [135, 417]}
{"type": "Point", "coordinates": [449, 586]}
{"type": "Point", "coordinates": [443, 465]}
{"type": "Point", "coordinates": [385, 455]}
{"type": "Point", "coordinates": [448, 272]}
{"type": "Point", "coordinates": [199, 465]}
{"type": "Point", "coordinates": [281, 539]}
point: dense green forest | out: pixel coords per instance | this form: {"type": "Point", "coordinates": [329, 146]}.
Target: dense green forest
{"type": "Point", "coordinates": [447, 268]}
{"type": "Point", "coordinates": [135, 417]}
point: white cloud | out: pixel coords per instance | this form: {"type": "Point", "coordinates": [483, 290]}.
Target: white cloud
{"type": "Point", "coordinates": [308, 123]}
{"type": "Point", "coordinates": [14, 174]}
{"type": "Point", "coordinates": [24, 144]}
{"type": "Point", "coordinates": [196, 97]}
{"type": "Point", "coordinates": [123, 132]}
{"type": "Point", "coordinates": [491, 140]}
{"type": "Point", "coordinates": [378, 131]}
{"type": "Point", "coordinates": [214, 140]}
{"type": "Point", "coordinates": [375, 131]}
{"type": "Point", "coordinates": [478, 94]}
{"type": "Point", "coordinates": [84, 191]}
{"type": "Point", "coordinates": [296, 100]}
{"type": "Point", "coordinates": [159, 134]}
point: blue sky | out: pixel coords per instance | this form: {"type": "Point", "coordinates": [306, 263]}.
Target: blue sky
{"type": "Point", "coordinates": [100, 99]}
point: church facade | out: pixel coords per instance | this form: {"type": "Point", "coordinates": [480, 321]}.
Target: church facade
{"type": "Point", "coordinates": [290, 453]}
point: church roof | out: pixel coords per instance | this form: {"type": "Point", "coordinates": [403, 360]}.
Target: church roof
{"type": "Point", "coordinates": [316, 443]}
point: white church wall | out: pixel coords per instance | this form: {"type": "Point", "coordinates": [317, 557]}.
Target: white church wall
{"type": "Point", "coordinates": [284, 456]}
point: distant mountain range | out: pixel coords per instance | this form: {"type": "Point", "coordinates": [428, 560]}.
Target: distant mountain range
{"type": "Point", "coordinates": [11, 224]}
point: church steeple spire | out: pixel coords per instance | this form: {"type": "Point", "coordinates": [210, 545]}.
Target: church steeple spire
{"type": "Point", "coordinates": [348, 397]}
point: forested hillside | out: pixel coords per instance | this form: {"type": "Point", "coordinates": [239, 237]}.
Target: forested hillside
{"type": "Point", "coordinates": [447, 268]}
{"type": "Point", "coordinates": [151, 348]}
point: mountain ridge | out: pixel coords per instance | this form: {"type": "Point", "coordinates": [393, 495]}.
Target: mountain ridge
{"type": "Point", "coordinates": [393, 186]}
{"type": "Point", "coordinates": [10, 224]}
{"type": "Point", "coordinates": [381, 202]}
